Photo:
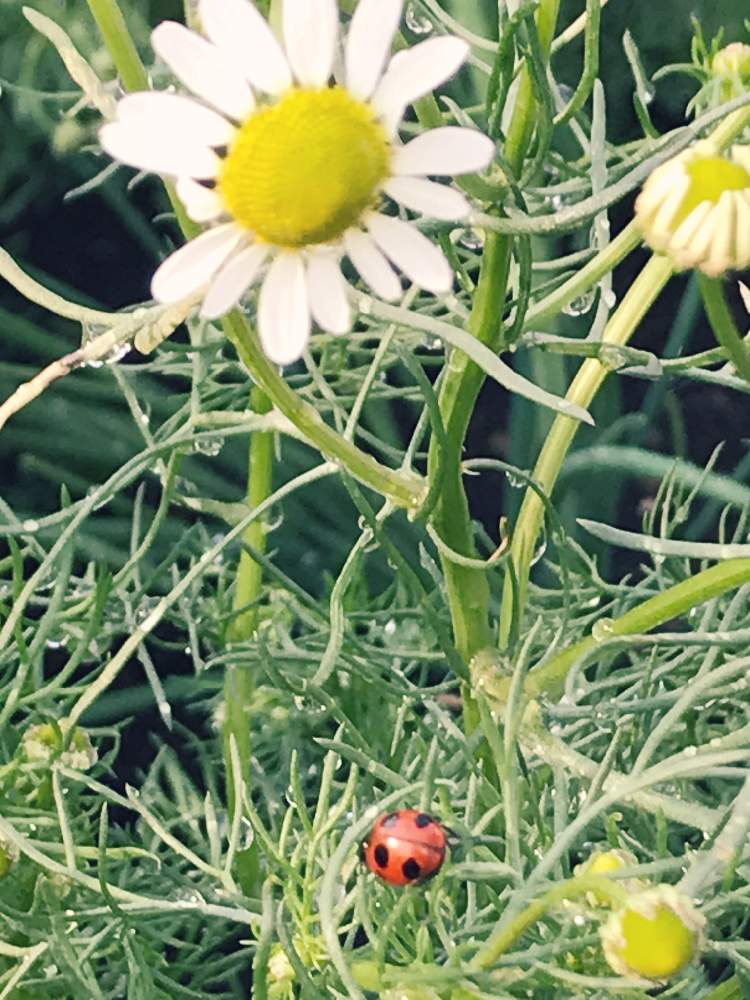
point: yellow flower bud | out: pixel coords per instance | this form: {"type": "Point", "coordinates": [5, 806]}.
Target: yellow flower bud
{"type": "Point", "coordinates": [608, 862]}
{"type": "Point", "coordinates": [695, 208]}
{"type": "Point", "coordinates": [654, 935]}
{"type": "Point", "coordinates": [733, 61]}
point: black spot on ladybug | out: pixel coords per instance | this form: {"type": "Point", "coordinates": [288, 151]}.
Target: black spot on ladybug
{"type": "Point", "coordinates": [423, 820]}
{"type": "Point", "coordinates": [411, 869]}
{"type": "Point", "coordinates": [381, 856]}
{"type": "Point", "coordinates": [390, 820]}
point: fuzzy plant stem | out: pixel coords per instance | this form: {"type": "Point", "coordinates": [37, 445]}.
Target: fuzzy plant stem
{"type": "Point", "coordinates": [588, 381]}
{"type": "Point", "coordinates": [468, 589]}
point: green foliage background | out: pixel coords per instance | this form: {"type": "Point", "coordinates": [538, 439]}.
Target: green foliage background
{"type": "Point", "coordinates": [322, 755]}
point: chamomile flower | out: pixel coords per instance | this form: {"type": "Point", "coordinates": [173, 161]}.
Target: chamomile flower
{"type": "Point", "coordinates": [289, 168]}
{"type": "Point", "coordinates": [696, 209]}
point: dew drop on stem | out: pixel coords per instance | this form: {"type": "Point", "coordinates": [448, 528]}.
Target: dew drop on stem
{"type": "Point", "coordinates": [416, 21]}
{"type": "Point", "coordinates": [580, 305]}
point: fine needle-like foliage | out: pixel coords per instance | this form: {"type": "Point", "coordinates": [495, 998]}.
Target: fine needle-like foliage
{"type": "Point", "coordinates": [246, 610]}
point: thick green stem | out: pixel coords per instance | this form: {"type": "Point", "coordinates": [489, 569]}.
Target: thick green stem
{"type": "Point", "coordinates": [119, 42]}
{"type": "Point", "coordinates": [550, 678]}
{"type": "Point", "coordinates": [239, 681]}
{"type": "Point", "coordinates": [468, 589]}
{"type": "Point", "coordinates": [586, 384]}
{"type": "Point", "coordinates": [259, 483]}
{"type": "Point", "coordinates": [723, 325]}
{"type": "Point", "coordinates": [404, 489]}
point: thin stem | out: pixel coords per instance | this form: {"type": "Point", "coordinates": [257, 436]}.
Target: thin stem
{"type": "Point", "coordinates": [550, 678]}
{"type": "Point", "coordinates": [723, 325]}
{"type": "Point", "coordinates": [404, 489]}
{"type": "Point", "coordinates": [505, 937]}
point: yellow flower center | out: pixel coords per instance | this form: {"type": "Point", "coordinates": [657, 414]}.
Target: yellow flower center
{"type": "Point", "coordinates": [710, 177]}
{"type": "Point", "coordinates": [305, 169]}
{"type": "Point", "coordinates": [657, 946]}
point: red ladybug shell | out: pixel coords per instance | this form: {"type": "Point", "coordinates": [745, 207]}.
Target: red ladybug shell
{"type": "Point", "coordinates": [405, 847]}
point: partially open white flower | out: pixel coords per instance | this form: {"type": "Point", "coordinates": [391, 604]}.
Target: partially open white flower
{"type": "Point", "coordinates": [289, 168]}
{"type": "Point", "coordinates": [696, 209]}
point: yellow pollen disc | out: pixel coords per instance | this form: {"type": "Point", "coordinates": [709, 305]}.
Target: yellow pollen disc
{"type": "Point", "coordinates": [709, 179]}
{"type": "Point", "coordinates": [305, 169]}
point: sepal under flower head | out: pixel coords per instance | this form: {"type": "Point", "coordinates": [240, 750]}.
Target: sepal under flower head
{"type": "Point", "coordinates": [695, 208]}
{"type": "Point", "coordinates": [654, 935]}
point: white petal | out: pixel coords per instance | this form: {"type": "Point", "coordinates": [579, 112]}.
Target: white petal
{"type": "Point", "coordinates": [283, 310]}
{"type": "Point", "coordinates": [435, 200]}
{"type": "Point", "coordinates": [414, 73]}
{"type": "Point", "coordinates": [232, 281]}
{"type": "Point", "coordinates": [368, 43]}
{"type": "Point", "coordinates": [203, 68]}
{"type": "Point", "coordinates": [444, 152]}
{"type": "Point", "coordinates": [244, 36]}
{"type": "Point", "coordinates": [148, 149]}
{"type": "Point", "coordinates": [310, 33]}
{"type": "Point", "coordinates": [201, 203]}
{"type": "Point", "coordinates": [194, 264]}
{"type": "Point", "coordinates": [328, 298]}
{"type": "Point", "coordinates": [179, 117]}
{"type": "Point", "coordinates": [373, 267]}
{"type": "Point", "coordinates": [420, 260]}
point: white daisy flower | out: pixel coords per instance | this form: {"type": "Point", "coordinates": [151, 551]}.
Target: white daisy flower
{"type": "Point", "coordinates": [696, 209]}
{"type": "Point", "coordinates": [289, 168]}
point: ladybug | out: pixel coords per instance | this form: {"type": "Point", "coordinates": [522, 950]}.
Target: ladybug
{"type": "Point", "coordinates": [406, 847]}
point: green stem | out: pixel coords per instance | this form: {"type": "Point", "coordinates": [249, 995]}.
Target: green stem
{"type": "Point", "coordinates": [259, 484]}
{"type": "Point", "coordinates": [404, 489]}
{"type": "Point", "coordinates": [550, 678]}
{"type": "Point", "coordinates": [239, 681]}
{"type": "Point", "coordinates": [468, 588]}
{"type": "Point", "coordinates": [723, 324]}
{"type": "Point", "coordinates": [504, 938]}
{"type": "Point", "coordinates": [586, 384]}
{"type": "Point", "coordinates": [133, 76]}
{"type": "Point", "coordinates": [604, 262]}
{"type": "Point", "coordinates": [119, 42]}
